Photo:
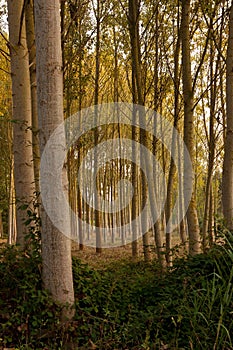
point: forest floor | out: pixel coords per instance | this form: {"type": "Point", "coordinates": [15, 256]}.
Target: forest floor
{"type": "Point", "coordinates": [120, 304]}
{"type": "Point", "coordinates": [124, 253]}
{"type": "Point", "coordinates": [110, 255]}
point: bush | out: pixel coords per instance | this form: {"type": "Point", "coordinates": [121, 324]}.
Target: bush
{"type": "Point", "coordinates": [126, 306]}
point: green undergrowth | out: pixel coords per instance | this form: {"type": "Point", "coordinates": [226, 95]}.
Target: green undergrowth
{"type": "Point", "coordinates": [125, 306]}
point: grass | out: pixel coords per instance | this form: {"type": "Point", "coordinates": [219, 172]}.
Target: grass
{"type": "Point", "coordinates": [121, 304]}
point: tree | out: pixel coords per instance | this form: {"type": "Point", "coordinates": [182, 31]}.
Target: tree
{"type": "Point", "coordinates": [21, 96]}
{"type": "Point", "coordinates": [56, 247]}
{"type": "Point", "coordinates": [138, 98]}
{"type": "Point", "coordinates": [227, 181]}
{"type": "Point", "coordinates": [98, 16]}
{"type": "Point", "coordinates": [192, 218]}
{"type": "Point", "coordinates": [5, 131]}
{"type": "Point", "coordinates": [172, 169]}
{"type": "Point", "coordinates": [214, 63]}
{"type": "Point", "coordinates": [139, 95]}
{"type": "Point", "coordinates": [30, 34]}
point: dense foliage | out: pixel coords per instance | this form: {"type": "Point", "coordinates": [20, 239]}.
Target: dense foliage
{"type": "Point", "coordinates": [124, 306]}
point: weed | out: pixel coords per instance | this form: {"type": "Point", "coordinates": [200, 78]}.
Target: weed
{"type": "Point", "coordinates": [124, 306]}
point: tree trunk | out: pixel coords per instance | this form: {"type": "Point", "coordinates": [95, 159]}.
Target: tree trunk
{"type": "Point", "coordinates": [172, 169]}
{"type": "Point", "coordinates": [56, 247]}
{"type": "Point", "coordinates": [192, 218]}
{"type": "Point", "coordinates": [12, 229]}
{"type": "Point", "coordinates": [96, 101]}
{"type": "Point", "coordinates": [30, 34]}
{"type": "Point", "coordinates": [1, 225]}
{"type": "Point", "coordinates": [21, 94]}
{"type": "Point", "coordinates": [135, 184]}
{"type": "Point", "coordinates": [212, 141]}
{"type": "Point", "coordinates": [227, 181]}
{"type": "Point", "coordinates": [211, 219]}
{"type": "Point", "coordinates": [134, 11]}
{"type": "Point", "coordinates": [182, 227]}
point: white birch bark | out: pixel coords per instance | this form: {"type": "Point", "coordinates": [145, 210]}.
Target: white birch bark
{"type": "Point", "coordinates": [56, 247]}
{"type": "Point", "coordinates": [21, 95]}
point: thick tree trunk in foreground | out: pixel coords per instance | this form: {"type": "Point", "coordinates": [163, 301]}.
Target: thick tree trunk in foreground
{"type": "Point", "coordinates": [21, 94]}
{"type": "Point", "coordinates": [192, 218]}
{"type": "Point", "coordinates": [227, 186]}
{"type": "Point", "coordinates": [56, 247]}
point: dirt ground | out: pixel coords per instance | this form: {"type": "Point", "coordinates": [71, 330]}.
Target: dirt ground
{"type": "Point", "coordinates": [109, 255]}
